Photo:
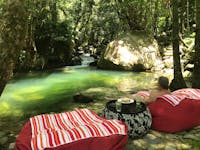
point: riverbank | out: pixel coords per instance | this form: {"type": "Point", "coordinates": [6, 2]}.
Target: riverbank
{"type": "Point", "coordinates": [36, 93]}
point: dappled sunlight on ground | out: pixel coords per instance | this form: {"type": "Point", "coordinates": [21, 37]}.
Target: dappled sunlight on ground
{"type": "Point", "coordinates": [155, 140]}
{"type": "Point", "coordinates": [5, 107]}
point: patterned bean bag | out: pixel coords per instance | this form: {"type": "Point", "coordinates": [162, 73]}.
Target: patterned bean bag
{"type": "Point", "coordinates": [176, 112]}
{"type": "Point", "coordinates": [77, 130]}
{"type": "Point", "coordinates": [139, 122]}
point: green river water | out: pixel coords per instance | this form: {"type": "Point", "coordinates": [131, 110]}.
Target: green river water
{"type": "Point", "coordinates": [33, 93]}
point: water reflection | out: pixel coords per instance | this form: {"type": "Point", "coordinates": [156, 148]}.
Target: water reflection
{"type": "Point", "coordinates": [138, 82]}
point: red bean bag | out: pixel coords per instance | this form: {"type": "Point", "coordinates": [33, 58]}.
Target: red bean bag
{"type": "Point", "coordinates": [176, 112]}
{"type": "Point", "coordinates": [84, 132]}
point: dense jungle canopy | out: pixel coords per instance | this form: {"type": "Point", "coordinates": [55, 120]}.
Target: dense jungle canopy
{"type": "Point", "coordinates": [43, 34]}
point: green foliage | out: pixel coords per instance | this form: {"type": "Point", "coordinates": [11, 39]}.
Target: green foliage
{"type": "Point", "coordinates": [12, 34]}
{"type": "Point", "coordinates": [53, 42]}
{"type": "Point", "coordinates": [48, 40]}
{"type": "Point", "coordinates": [88, 25]}
{"type": "Point", "coordinates": [94, 23]}
{"type": "Point", "coordinates": [137, 14]}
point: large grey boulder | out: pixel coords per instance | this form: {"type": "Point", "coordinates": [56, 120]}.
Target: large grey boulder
{"type": "Point", "coordinates": [133, 52]}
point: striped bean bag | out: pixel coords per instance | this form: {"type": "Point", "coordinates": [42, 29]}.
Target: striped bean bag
{"type": "Point", "coordinates": [176, 112]}
{"type": "Point", "coordinates": [76, 130]}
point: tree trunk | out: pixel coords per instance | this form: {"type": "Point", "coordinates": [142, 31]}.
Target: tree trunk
{"type": "Point", "coordinates": [53, 9]}
{"type": "Point", "coordinates": [155, 19]}
{"type": "Point", "coordinates": [12, 29]}
{"type": "Point", "coordinates": [178, 81]}
{"type": "Point", "coordinates": [6, 73]}
{"type": "Point", "coordinates": [188, 19]}
{"type": "Point", "coordinates": [196, 71]}
{"type": "Point", "coordinates": [183, 15]}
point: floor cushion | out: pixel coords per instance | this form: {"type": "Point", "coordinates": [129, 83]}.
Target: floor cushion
{"type": "Point", "coordinates": [77, 130]}
{"type": "Point", "coordinates": [174, 112]}
{"type": "Point", "coordinates": [174, 118]}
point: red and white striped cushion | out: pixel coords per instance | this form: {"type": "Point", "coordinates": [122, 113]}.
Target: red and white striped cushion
{"type": "Point", "coordinates": [172, 99]}
{"type": "Point", "coordinates": [52, 130]}
{"type": "Point", "coordinates": [188, 93]}
{"type": "Point", "coordinates": [142, 94]}
{"type": "Point", "coordinates": [177, 96]}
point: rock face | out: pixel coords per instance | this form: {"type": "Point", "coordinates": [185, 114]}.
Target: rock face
{"type": "Point", "coordinates": [133, 52]}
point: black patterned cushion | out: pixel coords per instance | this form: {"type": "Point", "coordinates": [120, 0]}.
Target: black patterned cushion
{"type": "Point", "coordinates": [139, 122]}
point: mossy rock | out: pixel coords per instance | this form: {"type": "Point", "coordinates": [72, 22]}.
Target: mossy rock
{"type": "Point", "coordinates": [138, 67]}
{"type": "Point", "coordinates": [80, 98]}
{"type": "Point", "coordinates": [107, 65]}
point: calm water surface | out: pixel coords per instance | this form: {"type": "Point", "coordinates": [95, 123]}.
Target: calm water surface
{"type": "Point", "coordinates": [45, 92]}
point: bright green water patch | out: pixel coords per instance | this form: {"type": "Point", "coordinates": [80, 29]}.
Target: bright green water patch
{"type": "Point", "coordinates": [35, 93]}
